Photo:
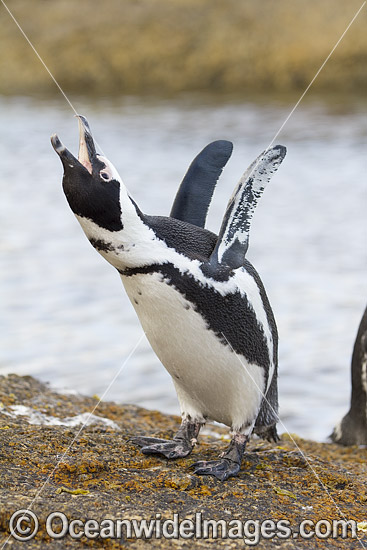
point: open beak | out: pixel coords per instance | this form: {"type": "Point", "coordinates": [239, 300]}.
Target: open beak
{"type": "Point", "coordinates": [87, 151]}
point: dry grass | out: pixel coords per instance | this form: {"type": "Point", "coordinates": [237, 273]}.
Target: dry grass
{"type": "Point", "coordinates": [169, 46]}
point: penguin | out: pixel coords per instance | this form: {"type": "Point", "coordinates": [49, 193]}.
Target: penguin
{"type": "Point", "coordinates": [352, 430]}
{"type": "Point", "coordinates": [201, 303]}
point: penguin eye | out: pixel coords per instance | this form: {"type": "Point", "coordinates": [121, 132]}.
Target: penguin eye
{"type": "Point", "coordinates": [105, 176]}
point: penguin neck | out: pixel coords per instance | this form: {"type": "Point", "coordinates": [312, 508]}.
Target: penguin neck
{"type": "Point", "coordinates": [131, 215]}
{"type": "Point", "coordinates": [127, 247]}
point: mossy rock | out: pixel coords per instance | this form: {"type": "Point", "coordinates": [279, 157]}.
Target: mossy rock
{"type": "Point", "coordinates": [103, 475]}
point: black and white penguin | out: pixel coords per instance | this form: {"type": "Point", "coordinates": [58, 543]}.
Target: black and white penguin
{"type": "Point", "coordinates": [352, 430]}
{"type": "Point", "coordinates": [201, 304]}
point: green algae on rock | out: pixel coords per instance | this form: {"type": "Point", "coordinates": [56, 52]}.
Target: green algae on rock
{"type": "Point", "coordinates": [296, 480]}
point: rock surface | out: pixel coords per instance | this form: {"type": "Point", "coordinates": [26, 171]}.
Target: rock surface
{"type": "Point", "coordinates": [49, 463]}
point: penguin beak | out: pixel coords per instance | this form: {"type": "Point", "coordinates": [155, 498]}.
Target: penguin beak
{"type": "Point", "coordinates": [66, 157]}
{"type": "Point", "coordinates": [87, 151]}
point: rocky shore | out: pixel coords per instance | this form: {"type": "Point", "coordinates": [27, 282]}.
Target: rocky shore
{"type": "Point", "coordinates": [103, 476]}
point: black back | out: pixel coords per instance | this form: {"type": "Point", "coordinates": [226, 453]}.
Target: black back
{"type": "Point", "coordinates": [188, 239]}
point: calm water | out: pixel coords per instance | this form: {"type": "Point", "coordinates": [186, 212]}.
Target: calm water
{"type": "Point", "coordinates": [64, 315]}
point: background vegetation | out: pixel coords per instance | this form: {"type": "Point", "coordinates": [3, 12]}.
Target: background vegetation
{"type": "Point", "coordinates": [170, 46]}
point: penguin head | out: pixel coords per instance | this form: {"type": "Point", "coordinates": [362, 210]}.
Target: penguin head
{"type": "Point", "coordinates": [91, 183]}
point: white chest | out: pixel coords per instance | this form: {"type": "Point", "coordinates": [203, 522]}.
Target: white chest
{"type": "Point", "coordinates": [211, 380]}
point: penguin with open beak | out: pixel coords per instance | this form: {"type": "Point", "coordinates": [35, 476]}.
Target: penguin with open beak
{"type": "Point", "coordinates": [201, 303]}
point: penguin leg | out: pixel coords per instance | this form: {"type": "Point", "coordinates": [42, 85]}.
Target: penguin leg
{"type": "Point", "coordinates": [230, 462]}
{"type": "Point", "coordinates": [180, 446]}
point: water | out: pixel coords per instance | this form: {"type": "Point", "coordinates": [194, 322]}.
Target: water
{"type": "Point", "coordinates": [64, 315]}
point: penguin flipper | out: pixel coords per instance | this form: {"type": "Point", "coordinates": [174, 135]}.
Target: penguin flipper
{"type": "Point", "coordinates": [233, 238]}
{"type": "Point", "coordinates": [197, 187]}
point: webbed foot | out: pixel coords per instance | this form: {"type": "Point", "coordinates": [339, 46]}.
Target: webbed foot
{"type": "Point", "coordinates": [230, 462]}
{"type": "Point", "coordinates": [143, 441]}
{"type": "Point", "coordinates": [170, 448]}
{"type": "Point", "coordinates": [178, 447]}
{"type": "Point", "coordinates": [221, 469]}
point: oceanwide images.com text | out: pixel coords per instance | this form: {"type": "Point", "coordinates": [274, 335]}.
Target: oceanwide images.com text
{"type": "Point", "coordinates": [24, 525]}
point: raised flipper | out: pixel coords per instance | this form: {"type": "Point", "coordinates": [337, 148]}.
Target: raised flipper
{"type": "Point", "coordinates": [196, 190]}
{"type": "Point", "coordinates": [233, 237]}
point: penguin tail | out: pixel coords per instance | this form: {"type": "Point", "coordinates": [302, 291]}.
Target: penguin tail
{"type": "Point", "coordinates": [233, 237]}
